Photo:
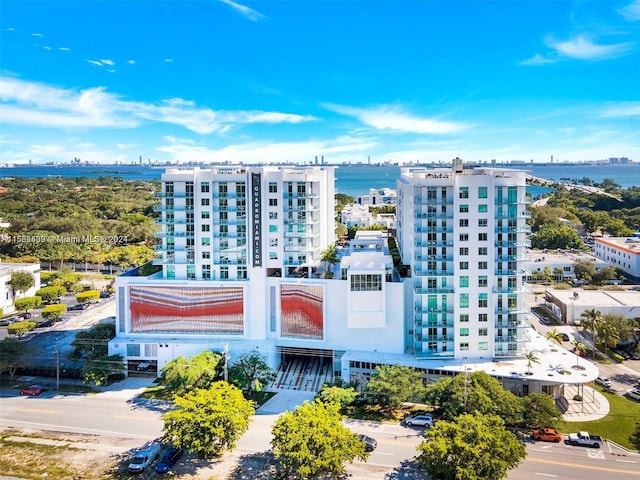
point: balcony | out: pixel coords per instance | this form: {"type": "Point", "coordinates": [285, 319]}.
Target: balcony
{"type": "Point", "coordinates": [420, 291]}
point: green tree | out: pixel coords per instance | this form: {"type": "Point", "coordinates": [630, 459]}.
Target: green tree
{"type": "Point", "coordinates": [473, 447]}
{"type": "Point", "coordinates": [608, 336]}
{"type": "Point", "coordinates": [482, 393]}
{"type": "Point", "coordinates": [312, 441]}
{"type": "Point", "coordinates": [591, 321]}
{"type": "Point", "coordinates": [99, 370]}
{"type": "Point", "coordinates": [621, 324]}
{"type": "Point", "coordinates": [27, 303]}
{"type": "Point", "coordinates": [52, 312]}
{"type": "Point", "coordinates": [578, 348]}
{"type": "Point", "coordinates": [330, 256]}
{"type": "Point", "coordinates": [585, 270]}
{"type": "Point", "coordinates": [208, 421]}
{"type": "Point", "coordinates": [340, 395]}
{"type": "Point", "coordinates": [12, 356]}
{"type": "Point", "coordinates": [88, 296]}
{"type": "Point", "coordinates": [634, 438]}
{"type": "Point", "coordinates": [93, 343]}
{"type": "Point", "coordinates": [556, 236]}
{"type": "Point", "coordinates": [395, 384]}
{"type": "Point", "coordinates": [20, 328]}
{"type": "Point", "coordinates": [181, 375]}
{"type": "Point", "coordinates": [554, 336]}
{"type": "Point", "coordinates": [539, 410]}
{"type": "Point", "coordinates": [51, 294]}
{"type": "Point", "coordinates": [21, 281]}
{"type": "Point", "coordinates": [251, 373]}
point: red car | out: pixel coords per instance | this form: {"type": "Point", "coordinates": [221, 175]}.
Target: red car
{"type": "Point", "coordinates": [33, 390]}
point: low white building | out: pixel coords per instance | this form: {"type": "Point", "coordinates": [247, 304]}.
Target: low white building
{"type": "Point", "coordinates": [6, 294]}
{"type": "Point", "coordinates": [378, 196]}
{"type": "Point", "coordinates": [355, 215]}
{"type": "Point", "coordinates": [621, 252]}
{"type": "Point", "coordinates": [568, 305]}
{"type": "Point", "coordinates": [561, 262]}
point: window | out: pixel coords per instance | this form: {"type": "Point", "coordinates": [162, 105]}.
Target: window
{"type": "Point", "coordinates": [133, 349]}
{"type": "Point", "coordinates": [206, 241]}
{"type": "Point", "coordinates": [206, 272]}
{"type": "Point", "coordinates": [483, 208]}
{"type": "Point", "coordinates": [206, 255]}
{"type": "Point", "coordinates": [464, 346]}
{"type": "Point", "coordinates": [224, 273]}
{"type": "Point", "coordinates": [482, 332]}
{"type": "Point", "coordinates": [482, 265]}
{"type": "Point", "coordinates": [464, 251]}
{"type": "Point", "coordinates": [483, 281]}
{"type": "Point", "coordinates": [366, 283]}
{"type": "Point", "coordinates": [273, 255]}
{"type": "Point", "coordinates": [242, 273]}
{"type": "Point", "coordinates": [273, 228]}
{"type": "Point", "coordinates": [464, 281]}
{"type": "Point", "coordinates": [482, 251]}
{"type": "Point", "coordinates": [464, 317]}
{"type": "Point", "coordinates": [464, 222]}
{"type": "Point", "coordinates": [273, 215]}
{"type": "Point", "coordinates": [205, 227]}
{"type": "Point", "coordinates": [464, 332]}
{"type": "Point", "coordinates": [483, 317]}
{"type": "Point", "coordinates": [204, 202]}
{"type": "Point", "coordinates": [204, 187]}
{"type": "Point", "coordinates": [464, 192]}
{"type": "Point", "coordinates": [464, 265]}
{"type": "Point", "coordinates": [204, 215]}
{"type": "Point", "coordinates": [464, 300]}
{"type": "Point", "coordinates": [482, 222]}
{"type": "Point", "coordinates": [483, 300]}
{"type": "Point", "coordinates": [273, 202]}
{"type": "Point", "coordinates": [273, 187]}
{"type": "Point", "coordinates": [273, 242]}
{"type": "Point", "coordinates": [482, 192]}
{"type": "Point", "coordinates": [483, 346]}
{"type": "Point", "coordinates": [464, 208]}
{"type": "Point", "coordinates": [482, 237]}
{"type": "Point", "coordinates": [464, 237]}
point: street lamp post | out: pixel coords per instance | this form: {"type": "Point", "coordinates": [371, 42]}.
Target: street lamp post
{"type": "Point", "coordinates": [226, 362]}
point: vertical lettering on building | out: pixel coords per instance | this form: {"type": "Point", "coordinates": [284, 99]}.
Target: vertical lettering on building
{"type": "Point", "coordinates": [256, 218]}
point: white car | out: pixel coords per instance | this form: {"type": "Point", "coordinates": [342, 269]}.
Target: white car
{"type": "Point", "coordinates": [425, 420]}
{"type": "Point", "coordinates": [144, 457]}
{"type": "Point", "coordinates": [635, 394]}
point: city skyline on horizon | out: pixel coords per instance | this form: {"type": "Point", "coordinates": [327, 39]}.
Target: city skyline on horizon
{"type": "Point", "coordinates": [275, 82]}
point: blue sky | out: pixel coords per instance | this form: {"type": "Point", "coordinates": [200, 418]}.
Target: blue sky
{"type": "Point", "coordinates": [274, 81]}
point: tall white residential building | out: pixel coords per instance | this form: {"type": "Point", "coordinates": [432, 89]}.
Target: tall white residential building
{"type": "Point", "coordinates": [464, 233]}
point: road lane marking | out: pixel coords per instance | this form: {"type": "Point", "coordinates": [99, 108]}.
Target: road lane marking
{"type": "Point", "coordinates": [126, 417]}
{"type": "Point", "coordinates": [545, 474]}
{"type": "Point", "coordinates": [596, 455]}
{"type": "Point", "coordinates": [541, 450]}
{"type": "Point", "coordinates": [587, 467]}
{"type": "Point", "coordinates": [68, 428]}
{"type": "Point", "coordinates": [37, 410]}
{"type": "Point", "coordinates": [625, 461]}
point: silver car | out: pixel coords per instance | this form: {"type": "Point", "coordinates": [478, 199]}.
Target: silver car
{"type": "Point", "coordinates": [424, 420]}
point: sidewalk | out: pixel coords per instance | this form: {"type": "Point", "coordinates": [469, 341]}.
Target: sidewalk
{"type": "Point", "coordinates": [594, 405]}
{"type": "Point", "coordinates": [284, 400]}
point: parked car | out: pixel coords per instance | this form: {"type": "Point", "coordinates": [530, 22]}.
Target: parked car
{"type": "Point", "coordinates": [424, 420]}
{"type": "Point", "coordinates": [583, 439]}
{"type": "Point", "coordinates": [547, 435]}
{"type": "Point", "coordinates": [8, 321]}
{"type": "Point", "coordinates": [144, 456]}
{"type": "Point", "coordinates": [604, 381]}
{"type": "Point", "coordinates": [565, 337]}
{"type": "Point", "coordinates": [635, 393]}
{"type": "Point", "coordinates": [25, 315]}
{"type": "Point", "coordinates": [370, 444]}
{"type": "Point", "coordinates": [33, 390]}
{"type": "Point", "coordinates": [78, 306]}
{"type": "Point", "coordinates": [105, 294]}
{"type": "Point", "coordinates": [169, 458]}
{"type": "Point", "coordinates": [45, 323]}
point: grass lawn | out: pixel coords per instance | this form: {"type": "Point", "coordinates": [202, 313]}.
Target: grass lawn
{"type": "Point", "coordinates": [617, 426]}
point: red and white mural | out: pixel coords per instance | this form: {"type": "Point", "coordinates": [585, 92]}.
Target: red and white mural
{"type": "Point", "coordinates": [302, 311]}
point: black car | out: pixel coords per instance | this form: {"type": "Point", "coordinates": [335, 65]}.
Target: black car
{"type": "Point", "coordinates": [169, 457]}
{"type": "Point", "coordinates": [78, 306]}
{"type": "Point", "coordinates": [565, 337]}
{"type": "Point", "coordinates": [105, 294]}
{"type": "Point", "coordinates": [44, 323]}
{"type": "Point", "coordinates": [370, 444]}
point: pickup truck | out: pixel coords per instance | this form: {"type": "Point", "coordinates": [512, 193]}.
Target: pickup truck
{"type": "Point", "coordinates": [585, 440]}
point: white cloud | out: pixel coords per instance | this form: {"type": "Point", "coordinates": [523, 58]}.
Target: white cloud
{"type": "Point", "coordinates": [168, 60]}
{"type": "Point", "coordinates": [30, 103]}
{"type": "Point", "coordinates": [95, 63]}
{"type": "Point", "coordinates": [537, 59]}
{"type": "Point", "coordinates": [111, 63]}
{"type": "Point", "coordinates": [131, 62]}
{"type": "Point", "coordinates": [37, 35]}
{"type": "Point", "coordinates": [582, 48]}
{"type": "Point", "coordinates": [245, 11]}
{"type": "Point", "coordinates": [65, 49]}
{"type": "Point", "coordinates": [624, 109]}
{"type": "Point", "coordinates": [393, 119]}
{"type": "Point", "coordinates": [47, 47]}
{"type": "Point", "coordinates": [631, 12]}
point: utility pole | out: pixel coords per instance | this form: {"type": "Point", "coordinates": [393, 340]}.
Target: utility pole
{"type": "Point", "coordinates": [57, 364]}
{"type": "Point", "coordinates": [226, 362]}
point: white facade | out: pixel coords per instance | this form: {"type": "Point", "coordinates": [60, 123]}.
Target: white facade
{"type": "Point", "coordinates": [622, 253]}
{"type": "Point", "coordinates": [464, 233]}
{"type": "Point", "coordinates": [378, 196]}
{"type": "Point", "coordinates": [355, 215]}
{"type": "Point", "coordinates": [560, 262]}
{"type": "Point", "coordinates": [6, 295]}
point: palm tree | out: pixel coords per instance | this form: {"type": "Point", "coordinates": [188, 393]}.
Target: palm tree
{"type": "Point", "coordinates": [330, 256]}
{"type": "Point", "coordinates": [578, 348]}
{"type": "Point", "coordinates": [591, 322]}
{"type": "Point", "coordinates": [555, 336]}
{"type": "Point", "coordinates": [608, 334]}
{"type": "Point", "coordinates": [531, 359]}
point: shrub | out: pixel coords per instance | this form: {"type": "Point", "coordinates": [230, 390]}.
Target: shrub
{"type": "Point", "coordinates": [51, 294]}
{"type": "Point", "coordinates": [577, 398]}
{"type": "Point", "coordinates": [20, 328]}
{"type": "Point", "coordinates": [27, 303]}
{"type": "Point", "coordinates": [88, 296]}
{"type": "Point", "coordinates": [51, 312]}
